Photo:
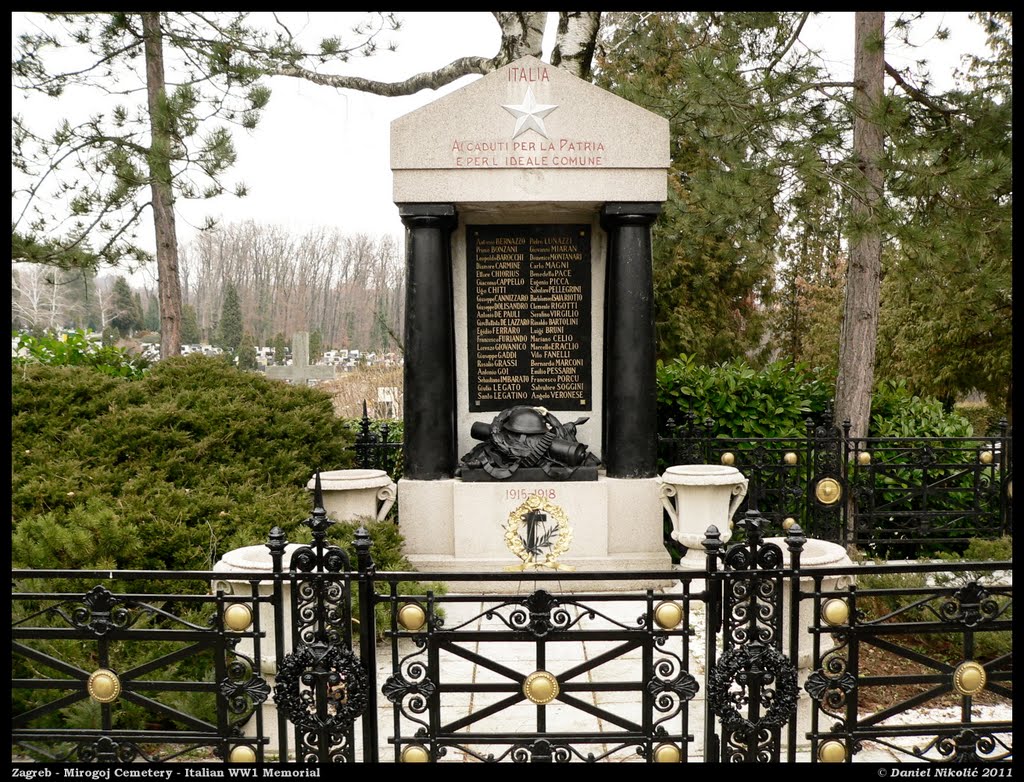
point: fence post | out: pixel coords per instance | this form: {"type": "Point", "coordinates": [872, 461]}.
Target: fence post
{"type": "Point", "coordinates": [795, 541]}
{"type": "Point", "coordinates": [848, 511]}
{"type": "Point", "coordinates": [1005, 469]}
{"type": "Point", "coordinates": [713, 624]}
{"type": "Point", "coordinates": [277, 542]}
{"type": "Point", "coordinates": [364, 441]}
{"type": "Point", "coordinates": [368, 641]}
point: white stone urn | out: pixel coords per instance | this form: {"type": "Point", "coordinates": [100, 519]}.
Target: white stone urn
{"type": "Point", "coordinates": [237, 567]}
{"type": "Point", "coordinates": [351, 494]}
{"type": "Point", "coordinates": [697, 496]}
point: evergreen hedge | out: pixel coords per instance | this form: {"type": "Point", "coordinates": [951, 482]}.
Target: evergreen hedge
{"type": "Point", "coordinates": [167, 472]}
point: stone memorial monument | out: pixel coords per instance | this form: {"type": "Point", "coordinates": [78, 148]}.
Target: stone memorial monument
{"type": "Point", "coordinates": [527, 198]}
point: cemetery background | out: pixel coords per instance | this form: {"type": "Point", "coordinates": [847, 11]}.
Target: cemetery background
{"type": "Point", "coordinates": [1005, 451]}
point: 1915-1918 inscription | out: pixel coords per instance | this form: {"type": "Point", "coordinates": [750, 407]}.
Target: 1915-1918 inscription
{"type": "Point", "coordinates": [529, 316]}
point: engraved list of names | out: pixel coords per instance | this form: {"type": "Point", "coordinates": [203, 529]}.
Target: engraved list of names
{"type": "Point", "coordinates": [529, 316]}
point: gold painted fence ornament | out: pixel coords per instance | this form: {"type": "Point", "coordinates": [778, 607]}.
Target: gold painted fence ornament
{"type": "Point", "coordinates": [540, 688]}
{"type": "Point", "coordinates": [243, 753]}
{"type": "Point", "coordinates": [832, 751]}
{"type": "Point", "coordinates": [969, 678]}
{"type": "Point", "coordinates": [828, 491]}
{"type": "Point", "coordinates": [668, 615]}
{"type": "Point", "coordinates": [667, 753]}
{"type": "Point", "coordinates": [538, 532]}
{"type": "Point", "coordinates": [415, 753]}
{"type": "Point", "coordinates": [103, 686]}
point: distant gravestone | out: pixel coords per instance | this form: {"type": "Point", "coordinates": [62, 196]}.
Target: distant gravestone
{"type": "Point", "coordinates": [387, 401]}
{"type": "Point", "coordinates": [301, 371]}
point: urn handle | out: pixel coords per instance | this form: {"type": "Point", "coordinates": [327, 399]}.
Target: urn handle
{"type": "Point", "coordinates": [739, 491]}
{"type": "Point", "coordinates": [668, 492]}
{"type": "Point", "coordinates": [386, 495]}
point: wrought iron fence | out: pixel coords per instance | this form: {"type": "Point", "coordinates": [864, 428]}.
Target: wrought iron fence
{"type": "Point", "coordinates": [375, 449]}
{"type": "Point", "coordinates": [756, 659]}
{"type": "Point", "coordinates": [891, 497]}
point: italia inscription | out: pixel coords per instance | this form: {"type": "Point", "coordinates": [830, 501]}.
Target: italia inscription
{"type": "Point", "coordinates": [529, 316]}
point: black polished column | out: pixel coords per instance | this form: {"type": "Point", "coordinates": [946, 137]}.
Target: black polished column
{"type": "Point", "coordinates": [429, 376]}
{"type": "Point", "coordinates": [629, 446]}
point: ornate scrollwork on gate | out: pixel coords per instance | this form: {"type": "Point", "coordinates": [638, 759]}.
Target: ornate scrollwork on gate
{"type": "Point", "coordinates": [730, 686]}
{"type": "Point", "coordinates": [541, 751]}
{"type": "Point", "coordinates": [106, 750]}
{"type": "Point", "coordinates": [671, 686]}
{"type": "Point", "coordinates": [541, 614]}
{"type": "Point", "coordinates": [410, 687]}
{"type": "Point", "coordinates": [752, 599]}
{"type": "Point", "coordinates": [970, 746]}
{"type": "Point", "coordinates": [242, 689]}
{"type": "Point", "coordinates": [831, 684]}
{"type": "Point", "coordinates": [321, 675]}
{"type": "Point", "coordinates": [971, 606]}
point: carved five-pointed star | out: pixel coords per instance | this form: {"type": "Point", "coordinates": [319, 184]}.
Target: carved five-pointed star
{"type": "Point", "coordinates": [529, 114]}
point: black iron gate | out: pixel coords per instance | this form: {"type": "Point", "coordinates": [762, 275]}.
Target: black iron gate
{"type": "Point", "coordinates": [581, 675]}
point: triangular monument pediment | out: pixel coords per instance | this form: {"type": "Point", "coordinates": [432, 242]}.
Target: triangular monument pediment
{"type": "Point", "coordinates": [526, 116]}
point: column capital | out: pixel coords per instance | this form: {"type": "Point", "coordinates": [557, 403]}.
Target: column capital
{"type": "Point", "coordinates": [616, 213]}
{"type": "Point", "coordinates": [428, 215]}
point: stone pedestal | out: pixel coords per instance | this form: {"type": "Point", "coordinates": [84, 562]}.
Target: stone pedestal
{"type": "Point", "coordinates": [815, 554]}
{"type": "Point", "coordinates": [350, 495]}
{"type": "Point", "coordinates": [452, 526]}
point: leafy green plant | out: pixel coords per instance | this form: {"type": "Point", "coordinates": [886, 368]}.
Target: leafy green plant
{"type": "Point", "coordinates": [881, 594]}
{"type": "Point", "coordinates": [196, 456]}
{"type": "Point", "coordinates": [983, 418]}
{"type": "Point", "coordinates": [896, 412]}
{"type": "Point", "coordinates": [74, 349]}
{"type": "Point", "coordinates": [774, 401]}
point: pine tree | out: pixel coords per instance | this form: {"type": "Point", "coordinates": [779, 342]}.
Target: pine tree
{"type": "Point", "coordinates": [247, 353]}
{"type": "Point", "coordinates": [152, 319]}
{"type": "Point", "coordinates": [279, 346]}
{"type": "Point", "coordinates": [748, 141]}
{"type": "Point", "coordinates": [316, 346]}
{"type": "Point", "coordinates": [190, 334]}
{"type": "Point", "coordinates": [230, 325]}
{"type": "Point", "coordinates": [138, 316]}
{"type": "Point", "coordinates": [124, 308]}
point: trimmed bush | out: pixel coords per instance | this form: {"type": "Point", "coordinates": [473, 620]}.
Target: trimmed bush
{"type": "Point", "coordinates": [774, 401]}
{"type": "Point", "coordinates": [197, 457]}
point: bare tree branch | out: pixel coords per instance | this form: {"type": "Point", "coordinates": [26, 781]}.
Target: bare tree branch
{"type": "Point", "coordinates": [422, 81]}
{"type": "Point", "coordinates": [918, 95]}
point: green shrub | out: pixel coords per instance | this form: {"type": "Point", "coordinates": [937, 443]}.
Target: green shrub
{"type": "Point", "coordinates": [167, 472]}
{"type": "Point", "coordinates": [879, 595]}
{"type": "Point", "coordinates": [896, 412]}
{"type": "Point", "coordinates": [983, 419]}
{"type": "Point", "coordinates": [75, 350]}
{"type": "Point", "coordinates": [198, 457]}
{"type": "Point", "coordinates": [390, 460]}
{"type": "Point", "coordinates": [744, 402]}
{"type": "Point", "coordinates": [386, 544]}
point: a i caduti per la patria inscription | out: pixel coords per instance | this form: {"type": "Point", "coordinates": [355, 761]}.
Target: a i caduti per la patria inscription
{"type": "Point", "coordinates": [528, 294]}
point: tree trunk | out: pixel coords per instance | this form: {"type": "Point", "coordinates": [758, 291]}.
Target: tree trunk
{"type": "Point", "coordinates": [863, 276]}
{"type": "Point", "coordinates": [577, 38]}
{"type": "Point", "coordinates": [168, 284]}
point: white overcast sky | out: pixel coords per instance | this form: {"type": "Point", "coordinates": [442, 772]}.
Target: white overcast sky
{"type": "Point", "coordinates": [320, 156]}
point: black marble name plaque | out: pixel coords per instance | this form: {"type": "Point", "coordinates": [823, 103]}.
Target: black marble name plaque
{"type": "Point", "coordinates": [528, 296]}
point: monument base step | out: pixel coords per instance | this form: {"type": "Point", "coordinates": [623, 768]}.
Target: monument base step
{"type": "Point", "coordinates": [637, 562]}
